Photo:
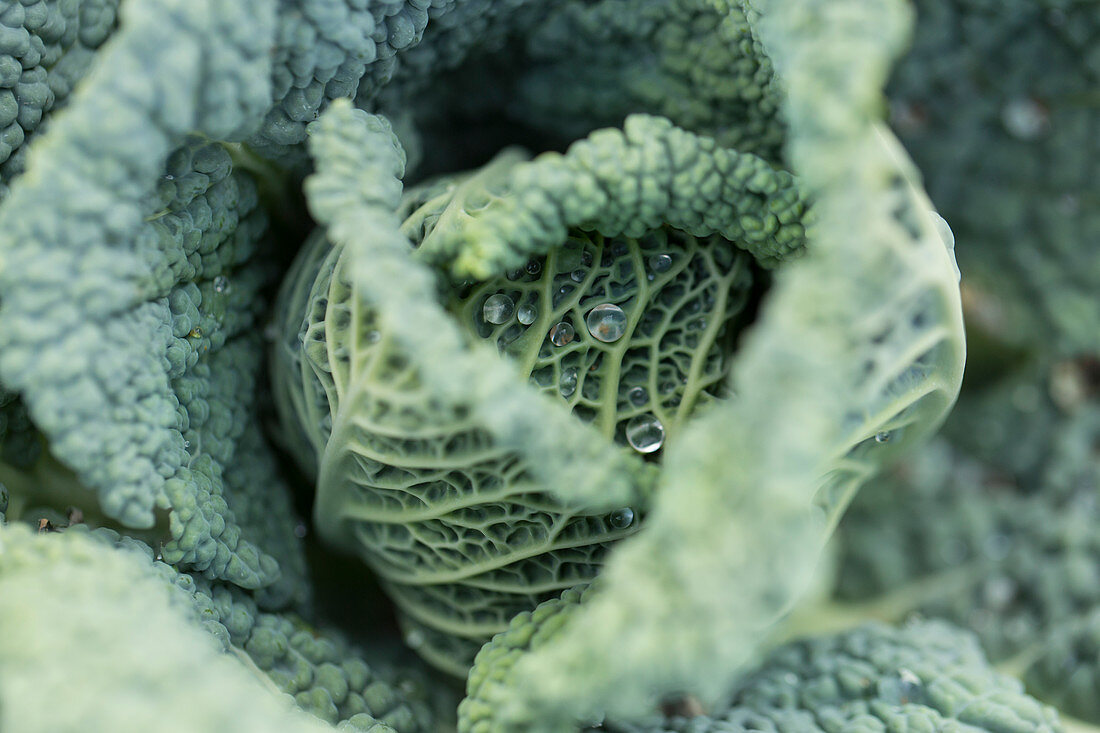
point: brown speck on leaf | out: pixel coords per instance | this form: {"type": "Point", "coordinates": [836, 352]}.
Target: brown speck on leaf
{"type": "Point", "coordinates": [685, 706]}
{"type": "Point", "coordinates": [44, 526]}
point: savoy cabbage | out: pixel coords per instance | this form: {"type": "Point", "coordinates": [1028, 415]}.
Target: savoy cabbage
{"type": "Point", "coordinates": [521, 365]}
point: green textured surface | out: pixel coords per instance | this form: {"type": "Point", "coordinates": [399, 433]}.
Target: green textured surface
{"type": "Point", "coordinates": [1013, 557]}
{"type": "Point", "coordinates": [733, 535]}
{"type": "Point", "coordinates": [998, 104]}
{"type": "Point", "coordinates": [134, 657]}
{"type": "Point", "coordinates": [925, 676]}
{"type": "Point", "coordinates": [136, 265]}
{"type": "Point", "coordinates": [459, 526]}
{"type": "Point", "coordinates": [46, 47]}
{"type": "Point", "coordinates": [325, 675]}
{"type": "Point", "coordinates": [135, 375]}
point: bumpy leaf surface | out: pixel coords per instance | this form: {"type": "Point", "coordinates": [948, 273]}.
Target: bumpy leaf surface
{"type": "Point", "coordinates": [456, 522]}
{"type": "Point", "coordinates": [924, 676]}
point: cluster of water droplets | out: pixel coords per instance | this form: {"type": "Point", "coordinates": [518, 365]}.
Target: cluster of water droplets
{"type": "Point", "coordinates": [588, 304]}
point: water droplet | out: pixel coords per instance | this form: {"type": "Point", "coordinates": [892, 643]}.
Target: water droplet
{"type": "Point", "coordinates": [498, 309]}
{"type": "Point", "coordinates": [527, 314]}
{"type": "Point", "coordinates": [909, 687]}
{"type": "Point", "coordinates": [1025, 118]}
{"type": "Point", "coordinates": [159, 557]}
{"type": "Point", "coordinates": [568, 383]}
{"type": "Point", "coordinates": [660, 263]}
{"type": "Point", "coordinates": [514, 274]}
{"type": "Point", "coordinates": [373, 337]}
{"type": "Point", "coordinates": [883, 437]}
{"type": "Point", "coordinates": [186, 444]}
{"type": "Point", "coordinates": [534, 267]}
{"type": "Point", "coordinates": [561, 334]}
{"type": "Point", "coordinates": [948, 238]}
{"type": "Point", "coordinates": [169, 177]}
{"type": "Point", "coordinates": [638, 396]}
{"type": "Point", "coordinates": [606, 322]}
{"type": "Point", "coordinates": [586, 258]}
{"type": "Point", "coordinates": [195, 332]}
{"type": "Point", "coordinates": [301, 530]}
{"type": "Point", "coordinates": [621, 518]}
{"type": "Point", "coordinates": [645, 433]}
{"type": "Point", "coordinates": [577, 275]}
{"type": "Point", "coordinates": [221, 284]}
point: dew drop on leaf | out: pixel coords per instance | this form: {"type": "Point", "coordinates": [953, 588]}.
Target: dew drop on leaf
{"type": "Point", "coordinates": [645, 433]}
{"type": "Point", "coordinates": [660, 263]}
{"type": "Point", "coordinates": [606, 322]}
{"type": "Point", "coordinates": [527, 314]}
{"type": "Point", "coordinates": [567, 385]}
{"type": "Point", "coordinates": [883, 437]}
{"type": "Point", "coordinates": [561, 334]}
{"type": "Point", "coordinates": [221, 284]}
{"type": "Point", "coordinates": [498, 309]}
{"type": "Point", "coordinates": [638, 396]}
{"type": "Point", "coordinates": [621, 518]}
{"type": "Point", "coordinates": [909, 688]}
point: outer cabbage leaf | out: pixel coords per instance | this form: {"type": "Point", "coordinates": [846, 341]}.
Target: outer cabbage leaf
{"type": "Point", "coordinates": [1011, 556]}
{"type": "Point", "coordinates": [134, 658]}
{"type": "Point", "coordinates": [924, 676]}
{"type": "Point", "coordinates": [126, 305]}
{"type": "Point", "coordinates": [46, 49]}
